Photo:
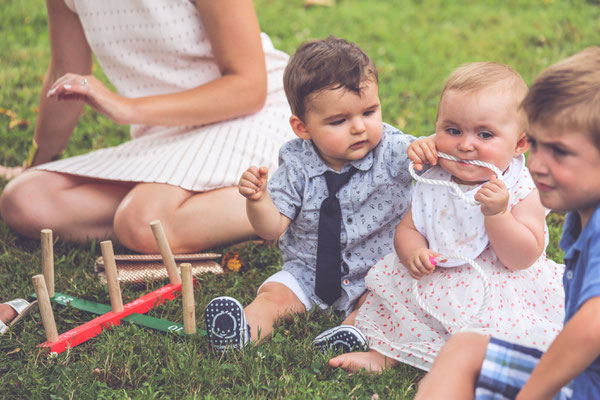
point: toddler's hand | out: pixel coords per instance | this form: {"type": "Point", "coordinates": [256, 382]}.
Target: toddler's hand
{"type": "Point", "coordinates": [253, 183]}
{"type": "Point", "coordinates": [420, 263]}
{"type": "Point", "coordinates": [423, 151]}
{"type": "Point", "coordinates": [493, 197]}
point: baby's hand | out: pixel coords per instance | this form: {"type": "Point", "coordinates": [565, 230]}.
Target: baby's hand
{"type": "Point", "coordinates": [493, 197]}
{"type": "Point", "coordinates": [253, 183]}
{"type": "Point", "coordinates": [423, 151]}
{"type": "Point", "coordinates": [420, 263]}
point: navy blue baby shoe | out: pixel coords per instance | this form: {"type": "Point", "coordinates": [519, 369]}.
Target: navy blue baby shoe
{"type": "Point", "coordinates": [226, 324]}
{"type": "Point", "coordinates": [341, 339]}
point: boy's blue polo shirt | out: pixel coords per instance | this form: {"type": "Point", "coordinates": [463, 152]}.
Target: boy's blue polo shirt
{"type": "Point", "coordinates": [372, 203]}
{"type": "Point", "coordinates": [582, 282]}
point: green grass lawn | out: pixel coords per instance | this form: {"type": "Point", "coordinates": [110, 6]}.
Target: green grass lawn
{"type": "Point", "coordinates": [415, 44]}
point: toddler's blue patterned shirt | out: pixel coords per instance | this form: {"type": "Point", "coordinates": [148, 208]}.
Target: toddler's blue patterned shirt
{"type": "Point", "coordinates": [372, 203]}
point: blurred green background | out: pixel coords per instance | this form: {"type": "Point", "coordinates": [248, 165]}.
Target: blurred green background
{"type": "Point", "coordinates": [415, 45]}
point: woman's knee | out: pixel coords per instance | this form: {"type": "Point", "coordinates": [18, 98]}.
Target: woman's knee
{"type": "Point", "coordinates": [132, 228]}
{"type": "Point", "coordinates": [146, 203]}
{"type": "Point", "coordinates": [21, 206]}
{"type": "Point", "coordinates": [9, 203]}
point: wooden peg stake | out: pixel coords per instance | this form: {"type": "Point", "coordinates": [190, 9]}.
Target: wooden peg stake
{"type": "Point", "coordinates": [165, 252]}
{"type": "Point", "coordinates": [48, 260]}
{"type": "Point", "coordinates": [41, 292]}
{"type": "Point", "coordinates": [110, 267]}
{"type": "Point", "coordinates": [187, 289]}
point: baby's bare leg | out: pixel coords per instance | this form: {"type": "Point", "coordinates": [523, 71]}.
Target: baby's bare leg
{"type": "Point", "coordinates": [371, 360]}
{"type": "Point", "coordinates": [274, 300]}
{"type": "Point", "coordinates": [352, 316]}
{"type": "Point", "coordinates": [455, 370]}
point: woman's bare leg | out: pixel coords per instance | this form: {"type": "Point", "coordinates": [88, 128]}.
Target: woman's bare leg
{"type": "Point", "coordinates": [456, 368]}
{"type": "Point", "coordinates": [78, 208]}
{"type": "Point", "coordinates": [192, 221]}
{"type": "Point", "coordinates": [75, 208]}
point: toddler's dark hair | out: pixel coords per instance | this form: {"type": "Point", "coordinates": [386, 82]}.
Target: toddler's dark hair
{"type": "Point", "coordinates": [329, 63]}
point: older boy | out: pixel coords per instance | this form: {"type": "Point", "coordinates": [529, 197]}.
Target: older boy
{"type": "Point", "coordinates": [337, 196]}
{"type": "Point", "coordinates": [563, 107]}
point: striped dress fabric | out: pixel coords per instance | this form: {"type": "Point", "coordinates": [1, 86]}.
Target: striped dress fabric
{"type": "Point", "coordinates": [150, 47]}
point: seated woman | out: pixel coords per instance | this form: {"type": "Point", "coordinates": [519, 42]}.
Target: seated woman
{"type": "Point", "coordinates": [202, 90]}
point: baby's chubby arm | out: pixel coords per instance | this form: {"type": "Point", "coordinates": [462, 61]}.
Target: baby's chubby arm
{"type": "Point", "coordinates": [264, 216]}
{"type": "Point", "coordinates": [571, 352]}
{"type": "Point", "coordinates": [412, 248]}
{"type": "Point", "coordinates": [423, 151]}
{"type": "Point", "coordinates": [522, 228]}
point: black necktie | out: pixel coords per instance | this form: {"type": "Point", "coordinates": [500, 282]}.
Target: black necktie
{"type": "Point", "coordinates": [329, 257]}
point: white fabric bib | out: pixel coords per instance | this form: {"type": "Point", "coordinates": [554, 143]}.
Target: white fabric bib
{"type": "Point", "coordinates": [450, 225]}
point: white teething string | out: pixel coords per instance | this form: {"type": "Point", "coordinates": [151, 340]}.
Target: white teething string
{"type": "Point", "coordinates": [474, 162]}
{"type": "Point", "coordinates": [451, 184]}
{"type": "Point", "coordinates": [474, 317]}
{"type": "Point", "coordinates": [486, 282]}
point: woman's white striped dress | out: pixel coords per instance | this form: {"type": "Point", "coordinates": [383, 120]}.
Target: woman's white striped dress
{"type": "Point", "coordinates": [149, 47]}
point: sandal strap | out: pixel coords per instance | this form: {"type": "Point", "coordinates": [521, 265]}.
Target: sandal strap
{"type": "Point", "coordinates": [18, 304]}
{"type": "Point", "coordinates": [3, 327]}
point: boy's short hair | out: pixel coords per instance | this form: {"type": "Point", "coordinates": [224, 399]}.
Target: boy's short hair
{"type": "Point", "coordinates": [478, 75]}
{"type": "Point", "coordinates": [330, 63]}
{"type": "Point", "coordinates": [568, 94]}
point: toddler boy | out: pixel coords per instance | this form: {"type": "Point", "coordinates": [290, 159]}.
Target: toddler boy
{"type": "Point", "coordinates": [339, 192]}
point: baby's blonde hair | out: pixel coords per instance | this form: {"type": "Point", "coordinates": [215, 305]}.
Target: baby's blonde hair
{"type": "Point", "coordinates": [478, 75]}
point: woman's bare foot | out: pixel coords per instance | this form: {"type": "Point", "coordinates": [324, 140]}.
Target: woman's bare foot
{"type": "Point", "coordinates": [7, 313]}
{"type": "Point", "coordinates": [370, 360]}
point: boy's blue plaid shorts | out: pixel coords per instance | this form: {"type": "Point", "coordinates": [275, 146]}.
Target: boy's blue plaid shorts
{"type": "Point", "coordinates": [506, 368]}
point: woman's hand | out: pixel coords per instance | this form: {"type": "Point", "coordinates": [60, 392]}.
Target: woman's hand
{"type": "Point", "coordinates": [234, 34]}
{"type": "Point", "coordinates": [89, 89]}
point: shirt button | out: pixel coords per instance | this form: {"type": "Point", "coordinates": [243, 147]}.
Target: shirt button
{"type": "Point", "coordinates": [348, 254]}
{"type": "Point", "coordinates": [349, 220]}
{"type": "Point", "coordinates": [346, 282]}
{"type": "Point", "coordinates": [569, 274]}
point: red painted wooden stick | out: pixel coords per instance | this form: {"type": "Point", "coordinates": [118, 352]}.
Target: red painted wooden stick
{"type": "Point", "coordinates": [92, 328]}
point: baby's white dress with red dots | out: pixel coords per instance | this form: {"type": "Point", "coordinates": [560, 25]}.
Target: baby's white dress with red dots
{"type": "Point", "coordinates": [152, 47]}
{"type": "Point", "coordinates": [525, 306]}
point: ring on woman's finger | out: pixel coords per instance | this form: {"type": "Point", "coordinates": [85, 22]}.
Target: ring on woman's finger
{"type": "Point", "coordinates": [83, 82]}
